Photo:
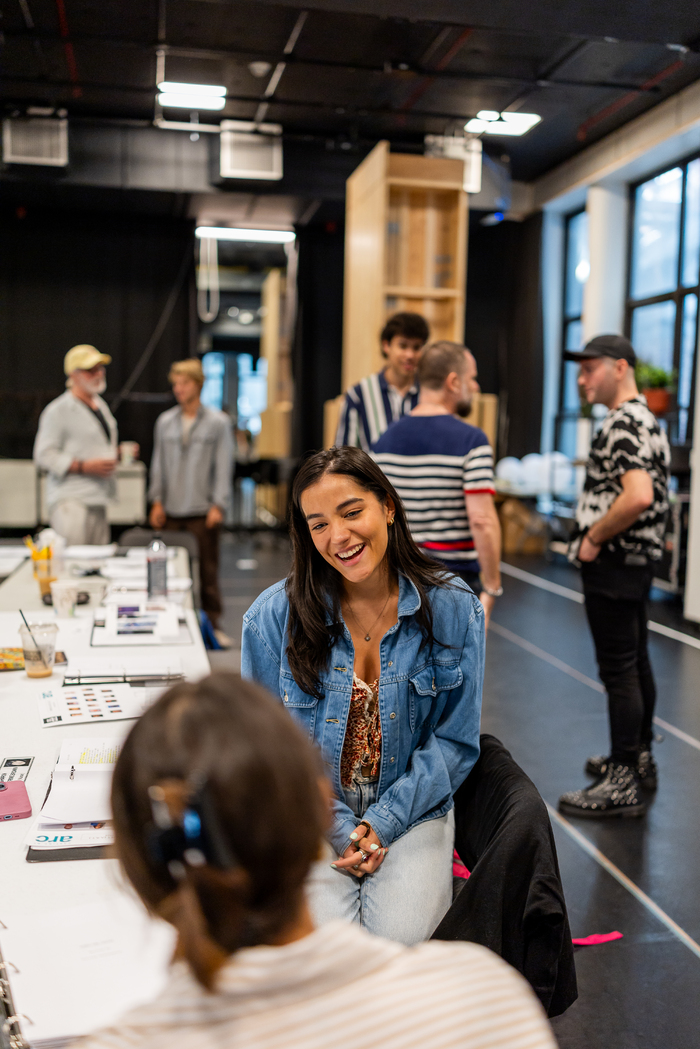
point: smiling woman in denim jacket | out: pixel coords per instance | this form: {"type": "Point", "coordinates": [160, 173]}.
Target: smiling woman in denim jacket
{"type": "Point", "coordinates": [379, 656]}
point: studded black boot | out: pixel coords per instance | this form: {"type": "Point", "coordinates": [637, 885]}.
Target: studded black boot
{"type": "Point", "coordinates": [647, 769]}
{"type": "Point", "coordinates": [616, 793]}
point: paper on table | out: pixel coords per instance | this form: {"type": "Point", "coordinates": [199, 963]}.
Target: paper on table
{"type": "Point", "coordinates": [140, 553]}
{"type": "Point", "coordinates": [122, 568]}
{"type": "Point", "coordinates": [51, 837]}
{"type": "Point", "coordinates": [81, 781]}
{"type": "Point", "coordinates": [78, 969]}
{"type": "Point", "coordinates": [81, 704]}
{"type": "Point", "coordinates": [78, 553]}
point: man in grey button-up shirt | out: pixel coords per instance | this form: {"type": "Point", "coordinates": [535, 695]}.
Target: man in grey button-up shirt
{"type": "Point", "coordinates": [191, 476]}
{"type": "Point", "coordinates": [76, 445]}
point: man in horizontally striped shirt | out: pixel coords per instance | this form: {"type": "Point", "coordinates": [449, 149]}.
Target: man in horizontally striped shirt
{"type": "Point", "coordinates": [442, 469]}
{"type": "Point", "coordinates": [378, 400]}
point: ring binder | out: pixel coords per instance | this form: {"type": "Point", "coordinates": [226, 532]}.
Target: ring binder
{"type": "Point", "coordinates": [146, 680]}
{"type": "Point", "coordinates": [11, 1033]}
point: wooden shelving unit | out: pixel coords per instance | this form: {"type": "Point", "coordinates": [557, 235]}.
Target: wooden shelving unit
{"type": "Point", "coordinates": [405, 249]}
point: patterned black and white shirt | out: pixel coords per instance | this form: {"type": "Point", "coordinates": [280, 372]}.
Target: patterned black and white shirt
{"type": "Point", "coordinates": [629, 439]}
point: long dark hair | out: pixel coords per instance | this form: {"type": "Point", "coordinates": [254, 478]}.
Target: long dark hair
{"type": "Point", "coordinates": [314, 587]}
{"type": "Point", "coordinates": [262, 783]}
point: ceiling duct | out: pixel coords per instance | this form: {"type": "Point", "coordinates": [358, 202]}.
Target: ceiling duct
{"type": "Point", "coordinates": [459, 147]}
{"type": "Point", "coordinates": [250, 151]}
{"type": "Point", "coordinates": [32, 140]}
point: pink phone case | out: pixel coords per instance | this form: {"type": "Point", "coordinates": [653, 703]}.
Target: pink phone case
{"type": "Point", "coordinates": [14, 802]}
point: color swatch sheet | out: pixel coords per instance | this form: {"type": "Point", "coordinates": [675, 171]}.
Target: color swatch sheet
{"type": "Point", "coordinates": [76, 704]}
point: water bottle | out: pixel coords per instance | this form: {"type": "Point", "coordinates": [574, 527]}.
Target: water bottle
{"type": "Point", "coordinates": [157, 563]}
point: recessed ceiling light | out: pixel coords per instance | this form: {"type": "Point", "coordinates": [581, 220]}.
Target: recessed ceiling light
{"type": "Point", "coordinates": [191, 102]}
{"type": "Point", "coordinates": [171, 87]}
{"type": "Point", "coordinates": [262, 236]}
{"type": "Point", "coordinates": [486, 122]}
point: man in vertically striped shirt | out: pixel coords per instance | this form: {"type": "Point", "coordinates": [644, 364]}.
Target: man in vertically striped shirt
{"type": "Point", "coordinates": [442, 468]}
{"type": "Point", "coordinates": [378, 400]}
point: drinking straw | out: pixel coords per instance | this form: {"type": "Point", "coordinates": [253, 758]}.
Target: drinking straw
{"type": "Point", "coordinates": [33, 639]}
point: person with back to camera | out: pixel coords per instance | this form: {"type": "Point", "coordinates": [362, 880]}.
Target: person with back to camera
{"type": "Point", "coordinates": [620, 522]}
{"type": "Point", "coordinates": [213, 839]}
{"type": "Point", "coordinates": [380, 399]}
{"type": "Point", "coordinates": [378, 655]}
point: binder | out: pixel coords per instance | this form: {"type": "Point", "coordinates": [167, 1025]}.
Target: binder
{"type": "Point", "coordinates": [67, 973]}
{"type": "Point", "coordinates": [11, 1033]}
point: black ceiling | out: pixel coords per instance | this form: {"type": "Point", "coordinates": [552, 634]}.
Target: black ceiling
{"type": "Point", "coordinates": [356, 71]}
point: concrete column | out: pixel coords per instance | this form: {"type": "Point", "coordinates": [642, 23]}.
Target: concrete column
{"type": "Point", "coordinates": [604, 293]}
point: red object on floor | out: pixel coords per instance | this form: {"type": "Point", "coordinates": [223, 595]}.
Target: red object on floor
{"type": "Point", "coordinates": [595, 938]}
{"type": "Point", "coordinates": [458, 868]}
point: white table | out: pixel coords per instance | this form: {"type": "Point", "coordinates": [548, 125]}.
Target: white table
{"type": "Point", "coordinates": [32, 887]}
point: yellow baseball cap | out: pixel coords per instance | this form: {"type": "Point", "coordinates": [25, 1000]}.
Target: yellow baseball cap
{"type": "Point", "coordinates": [84, 356]}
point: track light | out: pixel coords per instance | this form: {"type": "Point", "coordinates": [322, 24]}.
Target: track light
{"type": "Point", "coordinates": [489, 122]}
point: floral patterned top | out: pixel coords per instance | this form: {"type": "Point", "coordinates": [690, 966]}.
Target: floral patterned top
{"type": "Point", "coordinates": [362, 747]}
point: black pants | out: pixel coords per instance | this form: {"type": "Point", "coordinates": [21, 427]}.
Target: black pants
{"type": "Point", "coordinates": [616, 607]}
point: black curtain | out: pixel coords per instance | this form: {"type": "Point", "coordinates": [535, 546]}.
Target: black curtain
{"type": "Point", "coordinates": [503, 325]}
{"type": "Point", "coordinates": [318, 341]}
{"type": "Point", "coordinates": [100, 277]}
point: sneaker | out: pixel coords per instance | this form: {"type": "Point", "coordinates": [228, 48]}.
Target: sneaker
{"type": "Point", "coordinates": [647, 769]}
{"type": "Point", "coordinates": [223, 639]}
{"type": "Point", "coordinates": [615, 794]}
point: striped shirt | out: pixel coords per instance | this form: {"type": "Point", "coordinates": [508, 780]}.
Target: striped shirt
{"type": "Point", "coordinates": [433, 461]}
{"type": "Point", "coordinates": [369, 408]}
{"type": "Point", "coordinates": [341, 984]}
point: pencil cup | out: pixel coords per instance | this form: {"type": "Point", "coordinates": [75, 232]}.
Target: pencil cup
{"type": "Point", "coordinates": [44, 572]}
{"type": "Point", "coordinates": [39, 646]}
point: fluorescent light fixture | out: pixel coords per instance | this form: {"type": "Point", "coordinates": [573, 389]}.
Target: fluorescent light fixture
{"type": "Point", "coordinates": [260, 236]}
{"type": "Point", "coordinates": [191, 102]}
{"type": "Point", "coordinates": [488, 122]}
{"type": "Point", "coordinates": [170, 87]}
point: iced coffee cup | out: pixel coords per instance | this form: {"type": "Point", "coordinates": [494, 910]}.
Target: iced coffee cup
{"type": "Point", "coordinates": [39, 646]}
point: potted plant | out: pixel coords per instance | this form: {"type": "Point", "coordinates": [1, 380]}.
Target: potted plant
{"type": "Point", "coordinates": [656, 384]}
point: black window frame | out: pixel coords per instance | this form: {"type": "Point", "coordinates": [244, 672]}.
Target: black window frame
{"type": "Point", "coordinates": [677, 295]}
{"type": "Point", "coordinates": [565, 414]}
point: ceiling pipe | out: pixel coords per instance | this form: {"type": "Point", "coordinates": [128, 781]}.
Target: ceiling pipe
{"type": "Point", "coordinates": [76, 90]}
{"type": "Point", "coordinates": [626, 100]}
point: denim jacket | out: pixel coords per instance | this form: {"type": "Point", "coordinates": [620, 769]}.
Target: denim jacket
{"type": "Point", "coordinates": [429, 702]}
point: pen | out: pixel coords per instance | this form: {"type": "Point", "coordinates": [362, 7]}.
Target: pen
{"type": "Point", "coordinates": [72, 772]}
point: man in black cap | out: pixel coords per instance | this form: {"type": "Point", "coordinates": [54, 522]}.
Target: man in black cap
{"type": "Point", "coordinates": [620, 527]}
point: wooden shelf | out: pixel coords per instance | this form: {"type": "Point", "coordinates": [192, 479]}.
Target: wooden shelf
{"type": "Point", "coordinates": [405, 249]}
{"type": "Point", "coordinates": [404, 291]}
{"type": "Point", "coordinates": [420, 183]}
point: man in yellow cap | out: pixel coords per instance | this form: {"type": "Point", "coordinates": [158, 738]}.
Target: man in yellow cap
{"type": "Point", "coordinates": [77, 446]}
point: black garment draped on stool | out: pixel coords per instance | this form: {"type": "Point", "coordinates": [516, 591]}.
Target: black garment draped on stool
{"type": "Point", "coordinates": [513, 901]}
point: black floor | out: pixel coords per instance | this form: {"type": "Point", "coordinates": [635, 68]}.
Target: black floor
{"type": "Point", "coordinates": [643, 991]}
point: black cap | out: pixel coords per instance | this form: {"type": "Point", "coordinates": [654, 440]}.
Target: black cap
{"type": "Point", "coordinates": [615, 346]}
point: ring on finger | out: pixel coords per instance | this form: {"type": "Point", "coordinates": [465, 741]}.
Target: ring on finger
{"type": "Point", "coordinates": [363, 854]}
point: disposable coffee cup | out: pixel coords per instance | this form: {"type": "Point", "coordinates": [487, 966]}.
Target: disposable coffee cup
{"type": "Point", "coordinates": [39, 647]}
{"type": "Point", "coordinates": [64, 594]}
{"type": "Point", "coordinates": [127, 452]}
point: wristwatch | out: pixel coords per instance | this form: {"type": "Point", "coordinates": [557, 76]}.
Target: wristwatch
{"type": "Point", "coordinates": [492, 593]}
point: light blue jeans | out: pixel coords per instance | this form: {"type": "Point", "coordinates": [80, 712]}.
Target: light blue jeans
{"type": "Point", "coordinates": [407, 897]}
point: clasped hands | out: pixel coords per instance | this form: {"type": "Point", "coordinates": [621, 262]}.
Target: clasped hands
{"type": "Point", "coordinates": [352, 859]}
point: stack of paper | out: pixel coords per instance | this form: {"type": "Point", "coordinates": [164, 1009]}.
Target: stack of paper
{"type": "Point", "coordinates": [75, 970]}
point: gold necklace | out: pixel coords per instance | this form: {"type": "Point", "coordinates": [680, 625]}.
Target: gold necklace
{"type": "Point", "coordinates": [368, 635]}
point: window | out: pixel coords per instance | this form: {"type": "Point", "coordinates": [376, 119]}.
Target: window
{"type": "Point", "coordinates": [662, 307]}
{"type": "Point", "coordinates": [576, 270]}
